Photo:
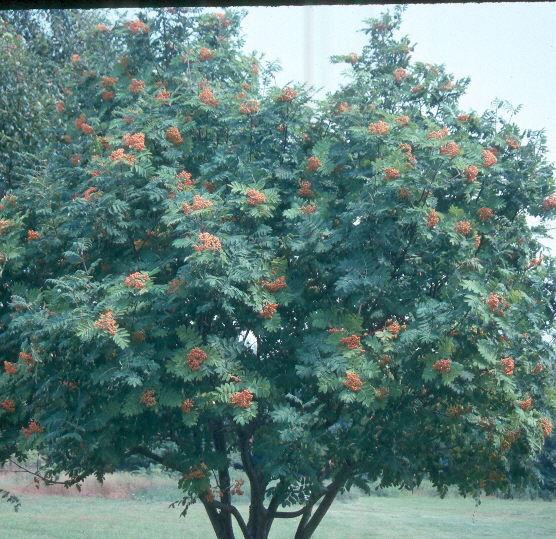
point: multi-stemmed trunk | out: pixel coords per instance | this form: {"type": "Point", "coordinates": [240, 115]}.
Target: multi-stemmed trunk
{"type": "Point", "coordinates": [261, 518]}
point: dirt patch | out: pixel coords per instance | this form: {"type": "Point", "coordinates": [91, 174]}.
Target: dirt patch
{"type": "Point", "coordinates": [115, 486]}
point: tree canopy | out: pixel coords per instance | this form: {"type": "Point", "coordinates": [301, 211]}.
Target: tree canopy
{"type": "Point", "coordinates": [218, 274]}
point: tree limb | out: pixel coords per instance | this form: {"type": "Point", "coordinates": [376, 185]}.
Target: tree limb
{"type": "Point", "coordinates": [234, 511]}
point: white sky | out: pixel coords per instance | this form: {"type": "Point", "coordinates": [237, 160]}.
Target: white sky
{"type": "Point", "coordinates": [506, 48]}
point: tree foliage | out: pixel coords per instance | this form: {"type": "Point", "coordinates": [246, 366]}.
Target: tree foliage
{"type": "Point", "coordinates": [216, 273]}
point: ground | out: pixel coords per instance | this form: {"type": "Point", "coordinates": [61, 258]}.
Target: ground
{"type": "Point", "coordinates": [137, 507]}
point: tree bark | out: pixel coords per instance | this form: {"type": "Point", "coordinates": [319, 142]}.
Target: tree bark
{"type": "Point", "coordinates": [308, 523]}
{"type": "Point", "coordinates": [224, 480]}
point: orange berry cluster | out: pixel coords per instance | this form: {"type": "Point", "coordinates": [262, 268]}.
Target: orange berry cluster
{"type": "Point", "coordinates": [534, 262]}
{"type": "Point", "coordinates": [276, 285]}
{"type": "Point", "coordinates": [353, 381]}
{"type": "Point", "coordinates": [28, 358]}
{"type": "Point", "coordinates": [88, 192]}
{"type": "Point", "coordinates": [33, 427]}
{"type": "Point", "coordinates": [135, 141]}
{"type": "Point", "coordinates": [75, 58]}
{"type": "Point", "coordinates": [32, 235]}
{"type": "Point", "coordinates": [288, 94]}
{"type": "Point", "coordinates": [352, 342]}
{"type": "Point", "coordinates": [236, 489]}
{"type": "Point", "coordinates": [120, 155]}
{"type": "Point", "coordinates": [205, 54]}
{"type": "Point", "coordinates": [305, 190]}
{"type": "Point", "coordinates": [546, 426]}
{"type": "Point", "coordinates": [352, 58]}
{"type": "Point", "coordinates": [199, 203]}
{"type": "Point", "coordinates": [477, 243]}
{"type": "Point", "coordinates": [243, 399]}
{"type": "Point", "coordinates": [393, 328]}
{"type": "Point", "coordinates": [207, 97]}
{"type": "Point", "coordinates": [451, 149]}
{"type": "Point", "coordinates": [512, 143]}
{"type": "Point", "coordinates": [432, 219]}
{"type": "Point", "coordinates": [108, 95]}
{"type": "Point", "coordinates": [471, 173]}
{"type": "Point", "coordinates": [136, 86]}
{"type": "Point", "coordinates": [163, 95]}
{"type": "Point", "coordinates": [101, 28]}
{"type": "Point", "coordinates": [400, 73]}
{"type": "Point", "coordinates": [463, 227]}
{"type": "Point", "coordinates": [538, 368]}
{"type": "Point", "coordinates": [60, 107]}
{"type": "Point", "coordinates": [548, 203]}
{"type": "Point", "coordinates": [442, 365]}
{"type": "Point", "coordinates": [173, 135]}
{"type": "Point", "coordinates": [4, 225]}
{"type": "Point", "coordinates": [402, 120]}
{"type": "Point", "coordinates": [106, 322]}
{"type": "Point", "coordinates": [209, 186]}
{"type": "Point", "coordinates": [268, 310]}
{"type": "Point", "coordinates": [382, 392]}
{"type": "Point", "coordinates": [208, 241]}
{"type": "Point", "coordinates": [391, 173]}
{"type": "Point", "coordinates": [195, 474]}
{"type": "Point", "coordinates": [249, 107]}
{"type": "Point", "coordinates": [148, 398]}
{"type": "Point", "coordinates": [496, 303]}
{"type": "Point", "coordinates": [308, 210]}
{"type": "Point", "coordinates": [8, 405]}
{"type": "Point", "coordinates": [342, 107]}
{"type": "Point", "coordinates": [526, 404]}
{"type": "Point", "coordinates": [195, 358]}
{"type": "Point", "coordinates": [379, 128]}
{"type": "Point", "coordinates": [81, 121]}
{"type": "Point", "coordinates": [313, 163]}
{"type": "Point", "coordinates": [489, 158]}
{"type": "Point", "coordinates": [108, 81]}
{"type": "Point", "coordinates": [254, 197]}
{"type": "Point", "coordinates": [437, 135]}
{"type": "Point", "coordinates": [187, 405]}
{"type": "Point", "coordinates": [462, 118]}
{"type": "Point", "coordinates": [508, 365]}
{"type": "Point", "coordinates": [137, 280]}
{"type": "Point", "coordinates": [224, 23]}
{"type": "Point", "coordinates": [241, 95]}
{"type": "Point", "coordinates": [485, 214]}
{"type": "Point", "coordinates": [187, 181]}
{"type": "Point", "coordinates": [448, 86]}
{"type": "Point", "coordinates": [135, 26]}
{"type": "Point", "coordinates": [336, 330]}
{"type": "Point", "coordinates": [417, 89]}
{"type": "Point", "coordinates": [173, 285]}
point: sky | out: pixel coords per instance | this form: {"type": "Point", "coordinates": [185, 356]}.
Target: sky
{"type": "Point", "coordinates": [507, 48]}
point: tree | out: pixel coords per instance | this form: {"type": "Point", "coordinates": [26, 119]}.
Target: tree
{"type": "Point", "coordinates": [216, 273]}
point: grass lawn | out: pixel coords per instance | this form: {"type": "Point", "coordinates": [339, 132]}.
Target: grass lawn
{"type": "Point", "coordinates": [64, 517]}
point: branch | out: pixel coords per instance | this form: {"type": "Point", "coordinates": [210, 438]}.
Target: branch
{"type": "Point", "coordinates": [67, 483]}
{"type": "Point", "coordinates": [153, 456]}
{"type": "Point", "coordinates": [307, 526]}
{"type": "Point", "coordinates": [233, 510]}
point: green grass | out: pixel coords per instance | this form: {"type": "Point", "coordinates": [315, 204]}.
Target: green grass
{"type": "Point", "coordinates": [64, 517]}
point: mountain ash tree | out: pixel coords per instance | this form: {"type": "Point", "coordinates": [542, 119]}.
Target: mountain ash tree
{"type": "Point", "coordinates": [220, 274]}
